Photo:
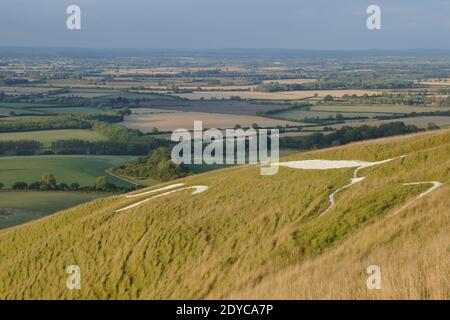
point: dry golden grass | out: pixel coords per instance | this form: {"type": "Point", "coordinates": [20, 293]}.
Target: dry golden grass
{"type": "Point", "coordinates": [412, 248]}
{"type": "Point", "coordinates": [252, 236]}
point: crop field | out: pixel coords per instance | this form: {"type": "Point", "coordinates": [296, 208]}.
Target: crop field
{"type": "Point", "coordinates": [68, 169]}
{"type": "Point", "coordinates": [213, 106]}
{"type": "Point", "coordinates": [42, 108]}
{"type": "Point", "coordinates": [48, 136]}
{"type": "Point", "coordinates": [17, 207]}
{"type": "Point", "coordinates": [285, 95]}
{"type": "Point", "coordinates": [177, 120]}
{"type": "Point", "coordinates": [24, 90]}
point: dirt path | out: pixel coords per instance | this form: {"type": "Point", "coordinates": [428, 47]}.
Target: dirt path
{"type": "Point", "coordinates": [121, 178]}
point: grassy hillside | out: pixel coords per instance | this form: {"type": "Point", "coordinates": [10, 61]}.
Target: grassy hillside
{"type": "Point", "coordinates": [253, 236]}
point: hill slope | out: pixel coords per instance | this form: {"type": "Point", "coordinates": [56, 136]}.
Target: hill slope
{"type": "Point", "coordinates": [253, 236]}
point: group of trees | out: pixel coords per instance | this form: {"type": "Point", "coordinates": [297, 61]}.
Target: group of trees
{"type": "Point", "coordinates": [337, 85]}
{"type": "Point", "coordinates": [84, 147]}
{"type": "Point", "coordinates": [157, 165]}
{"type": "Point", "coordinates": [78, 121]}
{"type": "Point", "coordinates": [379, 99]}
{"type": "Point", "coordinates": [48, 183]}
{"type": "Point", "coordinates": [136, 142]}
{"type": "Point", "coordinates": [289, 107]}
{"type": "Point", "coordinates": [20, 147]}
{"type": "Point", "coordinates": [346, 135]}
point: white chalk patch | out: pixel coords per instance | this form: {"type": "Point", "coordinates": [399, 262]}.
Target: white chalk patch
{"type": "Point", "coordinates": [198, 189]}
{"type": "Point", "coordinates": [172, 186]}
{"type": "Point", "coordinates": [335, 164]}
{"type": "Point", "coordinates": [436, 185]}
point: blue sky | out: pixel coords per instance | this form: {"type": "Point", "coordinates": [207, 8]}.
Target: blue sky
{"type": "Point", "coordinates": [302, 24]}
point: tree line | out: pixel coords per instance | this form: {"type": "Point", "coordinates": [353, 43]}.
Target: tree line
{"type": "Point", "coordinates": [337, 85]}
{"type": "Point", "coordinates": [346, 135]}
{"type": "Point", "coordinates": [48, 183]}
{"type": "Point", "coordinates": [20, 148]}
{"type": "Point", "coordinates": [65, 121]}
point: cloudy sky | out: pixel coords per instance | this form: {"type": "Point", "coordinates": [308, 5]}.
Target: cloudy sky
{"type": "Point", "coordinates": [197, 24]}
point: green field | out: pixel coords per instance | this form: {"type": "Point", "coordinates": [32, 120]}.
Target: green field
{"type": "Point", "coordinates": [48, 136]}
{"type": "Point", "coordinates": [43, 108]}
{"type": "Point", "coordinates": [81, 169]}
{"type": "Point", "coordinates": [17, 207]}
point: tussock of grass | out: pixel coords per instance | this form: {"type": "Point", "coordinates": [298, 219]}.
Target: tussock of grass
{"type": "Point", "coordinates": [252, 236]}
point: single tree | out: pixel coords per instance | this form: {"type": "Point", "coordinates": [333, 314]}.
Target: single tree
{"type": "Point", "coordinates": [48, 180]}
{"type": "Point", "coordinates": [101, 183]}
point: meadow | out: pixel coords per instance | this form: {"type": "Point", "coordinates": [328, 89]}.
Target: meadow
{"type": "Point", "coordinates": [17, 207]}
{"type": "Point", "coordinates": [44, 109]}
{"type": "Point", "coordinates": [252, 236]}
{"type": "Point", "coordinates": [48, 136]}
{"type": "Point", "coordinates": [68, 169]}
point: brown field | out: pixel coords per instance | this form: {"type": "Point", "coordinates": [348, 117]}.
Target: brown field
{"type": "Point", "coordinates": [172, 121]}
{"type": "Point", "coordinates": [285, 95]}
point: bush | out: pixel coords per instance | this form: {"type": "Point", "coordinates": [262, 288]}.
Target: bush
{"type": "Point", "coordinates": [101, 183]}
{"type": "Point", "coordinates": [35, 186]}
{"type": "Point", "coordinates": [433, 126]}
{"type": "Point", "coordinates": [74, 186]}
{"type": "Point", "coordinates": [20, 185]}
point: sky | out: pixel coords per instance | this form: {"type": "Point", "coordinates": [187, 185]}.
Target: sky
{"type": "Point", "coordinates": [215, 24]}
